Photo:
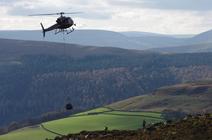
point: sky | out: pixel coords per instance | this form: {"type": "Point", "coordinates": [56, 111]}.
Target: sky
{"type": "Point", "coordinates": [158, 16]}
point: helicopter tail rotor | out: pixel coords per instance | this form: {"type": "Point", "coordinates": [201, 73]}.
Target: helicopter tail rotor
{"type": "Point", "coordinates": [43, 29]}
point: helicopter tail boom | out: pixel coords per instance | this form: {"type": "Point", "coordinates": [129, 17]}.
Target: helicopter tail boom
{"type": "Point", "coordinates": [43, 29]}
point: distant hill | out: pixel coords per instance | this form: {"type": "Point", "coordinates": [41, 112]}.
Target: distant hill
{"type": "Point", "coordinates": [160, 41]}
{"type": "Point", "coordinates": [198, 43]}
{"type": "Point", "coordinates": [127, 40]}
{"type": "Point", "coordinates": [188, 97]}
{"type": "Point", "coordinates": [102, 38]}
{"type": "Point", "coordinates": [147, 34]}
{"type": "Point", "coordinates": [16, 48]}
{"type": "Point", "coordinates": [205, 37]}
{"type": "Point", "coordinates": [174, 43]}
{"type": "Point", "coordinates": [142, 34]}
{"type": "Point", "coordinates": [98, 38]}
{"type": "Point", "coordinates": [195, 48]}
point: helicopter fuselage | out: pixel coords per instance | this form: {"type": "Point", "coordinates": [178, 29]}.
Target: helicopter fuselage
{"type": "Point", "coordinates": [64, 22]}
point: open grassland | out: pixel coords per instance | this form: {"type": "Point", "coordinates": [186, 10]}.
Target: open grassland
{"type": "Point", "coordinates": [28, 134]}
{"type": "Point", "coordinates": [90, 121]}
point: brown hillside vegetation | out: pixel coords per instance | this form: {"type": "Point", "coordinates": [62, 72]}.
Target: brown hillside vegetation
{"type": "Point", "coordinates": [188, 97]}
{"type": "Point", "coordinates": [190, 128]}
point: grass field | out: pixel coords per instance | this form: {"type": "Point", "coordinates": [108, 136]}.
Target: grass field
{"type": "Point", "coordinates": [90, 121]}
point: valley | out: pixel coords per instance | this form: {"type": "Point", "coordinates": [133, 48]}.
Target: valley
{"type": "Point", "coordinates": [191, 98]}
{"type": "Point", "coordinates": [38, 77]}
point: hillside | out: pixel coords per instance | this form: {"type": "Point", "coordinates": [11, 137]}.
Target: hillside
{"type": "Point", "coordinates": [198, 43]}
{"type": "Point", "coordinates": [191, 128]}
{"type": "Point", "coordinates": [103, 38]}
{"type": "Point", "coordinates": [124, 118]}
{"type": "Point", "coordinates": [140, 34]}
{"type": "Point", "coordinates": [188, 97]}
{"type": "Point", "coordinates": [204, 37]}
{"type": "Point", "coordinates": [153, 40]}
{"type": "Point", "coordinates": [159, 41]}
{"type": "Point", "coordinates": [17, 48]}
{"type": "Point", "coordinates": [100, 38]}
{"type": "Point", "coordinates": [205, 47]}
{"type": "Point", "coordinates": [39, 77]}
{"type": "Point", "coordinates": [93, 120]}
{"type": "Point", "coordinates": [149, 34]}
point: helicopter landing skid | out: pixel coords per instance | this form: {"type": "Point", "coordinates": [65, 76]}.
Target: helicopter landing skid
{"type": "Point", "coordinates": [70, 31]}
{"type": "Point", "coordinates": [58, 31]}
{"type": "Point", "coordinates": [64, 31]}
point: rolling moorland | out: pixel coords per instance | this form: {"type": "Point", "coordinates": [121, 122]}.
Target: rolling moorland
{"type": "Point", "coordinates": [99, 38]}
{"type": "Point", "coordinates": [129, 114]}
{"type": "Point", "coordinates": [127, 40]}
{"type": "Point", "coordinates": [191, 98]}
{"type": "Point", "coordinates": [204, 47]}
{"type": "Point", "coordinates": [38, 77]}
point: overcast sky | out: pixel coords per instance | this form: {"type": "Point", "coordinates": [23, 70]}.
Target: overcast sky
{"type": "Point", "coordinates": [160, 16]}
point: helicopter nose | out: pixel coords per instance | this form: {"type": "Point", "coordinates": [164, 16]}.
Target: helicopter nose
{"type": "Point", "coordinates": [71, 21]}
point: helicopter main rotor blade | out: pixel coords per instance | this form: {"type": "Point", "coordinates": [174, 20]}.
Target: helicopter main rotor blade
{"type": "Point", "coordinates": [73, 13]}
{"type": "Point", "coordinates": [44, 14]}
{"type": "Point", "coordinates": [50, 14]}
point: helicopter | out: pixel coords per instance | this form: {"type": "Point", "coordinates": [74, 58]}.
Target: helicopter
{"type": "Point", "coordinates": [63, 23]}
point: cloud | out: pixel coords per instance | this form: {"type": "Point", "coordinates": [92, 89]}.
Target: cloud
{"type": "Point", "coordinates": [162, 16]}
{"type": "Point", "coordinates": [172, 22]}
{"type": "Point", "coordinates": [91, 10]}
{"type": "Point", "coordinates": [196, 5]}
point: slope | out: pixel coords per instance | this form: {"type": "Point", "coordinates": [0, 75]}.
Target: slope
{"type": "Point", "coordinates": [189, 128]}
{"type": "Point", "coordinates": [189, 97]}
{"type": "Point", "coordinates": [99, 38]}
{"type": "Point", "coordinates": [17, 48]}
{"type": "Point", "coordinates": [205, 47]}
{"type": "Point", "coordinates": [103, 38]}
{"type": "Point", "coordinates": [198, 43]}
{"type": "Point", "coordinates": [204, 37]}
{"type": "Point", "coordinates": [88, 121]}
{"type": "Point", "coordinates": [38, 77]}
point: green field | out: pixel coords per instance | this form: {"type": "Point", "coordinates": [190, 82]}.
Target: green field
{"type": "Point", "coordinates": [90, 121]}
